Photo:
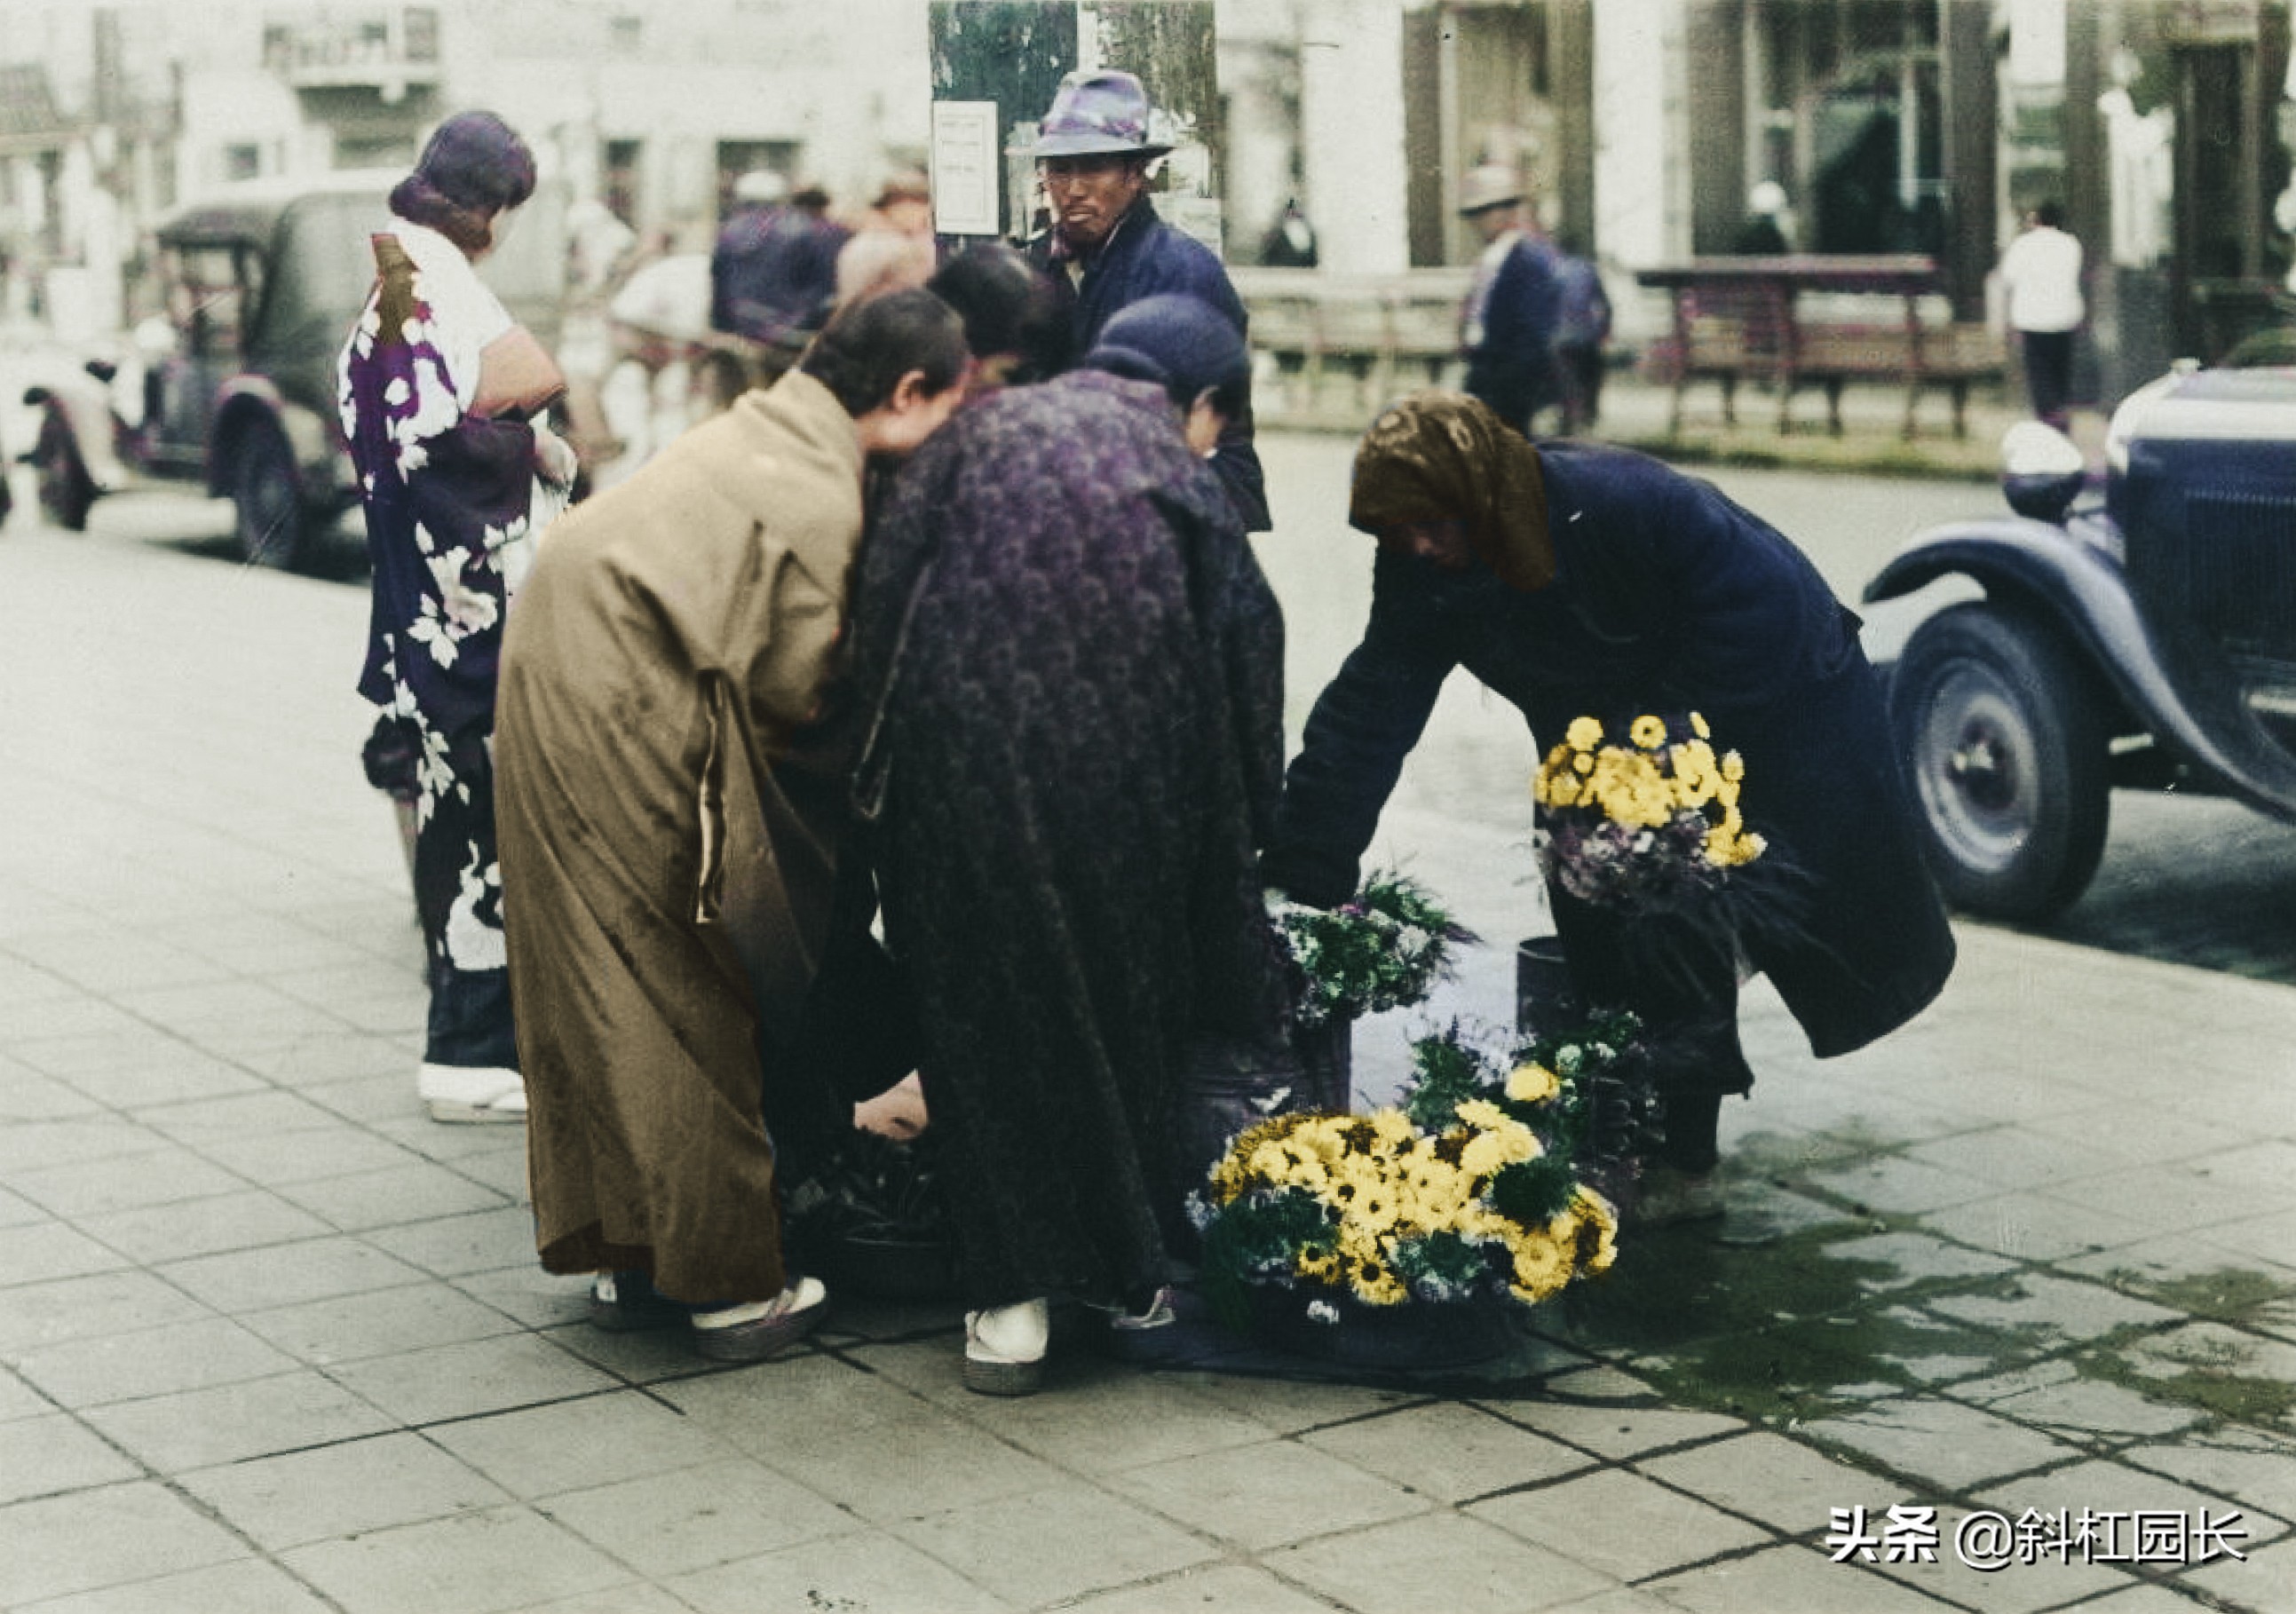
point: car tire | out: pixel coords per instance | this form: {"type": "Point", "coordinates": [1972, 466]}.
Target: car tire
{"type": "Point", "coordinates": [267, 495]}
{"type": "Point", "coordinates": [66, 492]}
{"type": "Point", "coordinates": [2004, 737]}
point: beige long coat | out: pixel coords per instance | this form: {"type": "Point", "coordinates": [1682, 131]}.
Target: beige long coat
{"type": "Point", "coordinates": [676, 638]}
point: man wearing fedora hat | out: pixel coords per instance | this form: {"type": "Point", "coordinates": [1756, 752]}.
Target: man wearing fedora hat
{"type": "Point", "coordinates": [1107, 249]}
{"type": "Point", "coordinates": [1507, 327]}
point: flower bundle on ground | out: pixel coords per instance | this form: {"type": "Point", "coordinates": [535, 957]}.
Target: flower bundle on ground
{"type": "Point", "coordinates": [1468, 1191]}
{"type": "Point", "coordinates": [1648, 825]}
{"type": "Point", "coordinates": [1384, 949]}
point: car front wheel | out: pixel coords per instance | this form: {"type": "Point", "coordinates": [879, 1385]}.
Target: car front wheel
{"type": "Point", "coordinates": [2005, 743]}
{"type": "Point", "coordinates": [267, 496]}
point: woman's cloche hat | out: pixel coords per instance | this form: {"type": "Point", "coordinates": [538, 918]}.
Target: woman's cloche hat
{"type": "Point", "coordinates": [1095, 114]}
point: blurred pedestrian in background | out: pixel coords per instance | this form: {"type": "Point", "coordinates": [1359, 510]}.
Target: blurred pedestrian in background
{"type": "Point", "coordinates": [1763, 233]}
{"type": "Point", "coordinates": [1507, 326]}
{"type": "Point", "coordinates": [1582, 330]}
{"type": "Point", "coordinates": [1107, 249]}
{"type": "Point", "coordinates": [1290, 242]}
{"type": "Point", "coordinates": [1579, 580]}
{"type": "Point", "coordinates": [672, 798]}
{"type": "Point", "coordinates": [2041, 302]}
{"type": "Point", "coordinates": [1077, 753]}
{"type": "Point", "coordinates": [441, 394]}
{"type": "Point", "coordinates": [772, 271]}
{"type": "Point", "coordinates": [893, 247]}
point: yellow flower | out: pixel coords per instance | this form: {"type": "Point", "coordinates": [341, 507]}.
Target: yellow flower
{"type": "Point", "coordinates": [1734, 766]}
{"type": "Point", "coordinates": [1540, 1266]}
{"type": "Point", "coordinates": [1648, 733]}
{"type": "Point", "coordinates": [1585, 733]}
{"type": "Point", "coordinates": [1698, 726]}
{"type": "Point", "coordinates": [1529, 1083]}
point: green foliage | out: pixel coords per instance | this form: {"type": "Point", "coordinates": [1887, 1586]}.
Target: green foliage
{"type": "Point", "coordinates": [1257, 1234]}
{"type": "Point", "coordinates": [1533, 1191]}
{"type": "Point", "coordinates": [1446, 1068]}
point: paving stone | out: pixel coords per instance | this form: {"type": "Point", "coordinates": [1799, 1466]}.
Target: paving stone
{"type": "Point", "coordinates": [2110, 1487]}
{"type": "Point", "coordinates": [471, 1376]}
{"type": "Point", "coordinates": [2056, 1308]}
{"type": "Point", "coordinates": [2266, 1582]}
{"type": "Point", "coordinates": [40, 1314]}
{"type": "Point", "coordinates": [1948, 1445]}
{"type": "Point", "coordinates": [916, 1462]}
{"type": "Point", "coordinates": [1290, 1407]}
{"type": "Point", "coordinates": [2031, 1227]}
{"type": "Point", "coordinates": [150, 1362]}
{"type": "Point", "coordinates": [288, 1274]}
{"type": "Point", "coordinates": [284, 1159]}
{"type": "Point", "coordinates": [1448, 1451]}
{"type": "Point", "coordinates": [37, 1145]}
{"type": "Point", "coordinates": [2162, 1198]}
{"type": "Point", "coordinates": [1607, 1428]}
{"type": "Point", "coordinates": [1893, 1183]}
{"type": "Point", "coordinates": [2016, 1156]}
{"type": "Point", "coordinates": [691, 1518]}
{"type": "Point", "coordinates": [472, 1564]}
{"type": "Point", "coordinates": [343, 1489]}
{"type": "Point", "coordinates": [34, 1252]}
{"type": "Point", "coordinates": [385, 1321]}
{"type": "Point", "coordinates": [156, 1235]}
{"type": "Point", "coordinates": [2053, 1396]}
{"type": "Point", "coordinates": [2272, 1237]}
{"type": "Point", "coordinates": [632, 1597]}
{"type": "Point", "coordinates": [1620, 1523]}
{"type": "Point", "coordinates": [1791, 1581]}
{"type": "Point", "coordinates": [19, 1399]}
{"type": "Point", "coordinates": [45, 1454]}
{"type": "Point", "coordinates": [573, 1445]}
{"type": "Point", "coordinates": [27, 1096]}
{"type": "Point", "coordinates": [1043, 1546]}
{"type": "Point", "coordinates": [228, 1423]}
{"type": "Point", "coordinates": [249, 1587]}
{"type": "Point", "coordinates": [1265, 1494]}
{"type": "Point", "coordinates": [869, 1572]}
{"type": "Point", "coordinates": [1440, 1561]}
{"type": "Point", "coordinates": [1788, 1486]}
{"type": "Point", "coordinates": [117, 1535]}
{"type": "Point", "coordinates": [406, 1192]}
{"type": "Point", "coordinates": [2213, 1350]}
{"type": "Point", "coordinates": [2012, 1580]}
{"type": "Point", "coordinates": [156, 1177]}
{"type": "Point", "coordinates": [2249, 1468]}
{"type": "Point", "coordinates": [1216, 1589]}
{"type": "Point", "coordinates": [455, 1246]}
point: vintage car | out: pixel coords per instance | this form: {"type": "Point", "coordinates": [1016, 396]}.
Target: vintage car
{"type": "Point", "coordinates": [263, 280]}
{"type": "Point", "coordinates": [2141, 632]}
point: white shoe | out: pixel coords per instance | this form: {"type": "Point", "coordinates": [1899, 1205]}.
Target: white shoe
{"type": "Point", "coordinates": [756, 1329]}
{"type": "Point", "coordinates": [463, 1094]}
{"type": "Point", "coordinates": [1005, 1348]}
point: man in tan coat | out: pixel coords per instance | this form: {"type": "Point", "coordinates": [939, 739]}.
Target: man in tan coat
{"type": "Point", "coordinates": [663, 891]}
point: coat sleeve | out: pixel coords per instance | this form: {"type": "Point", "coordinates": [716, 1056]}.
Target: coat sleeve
{"type": "Point", "coordinates": [803, 649]}
{"type": "Point", "coordinates": [1363, 725]}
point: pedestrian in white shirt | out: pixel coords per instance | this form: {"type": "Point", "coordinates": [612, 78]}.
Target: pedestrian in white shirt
{"type": "Point", "coordinates": [2041, 289]}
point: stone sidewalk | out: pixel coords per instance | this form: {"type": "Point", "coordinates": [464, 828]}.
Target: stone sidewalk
{"type": "Point", "coordinates": [270, 1340]}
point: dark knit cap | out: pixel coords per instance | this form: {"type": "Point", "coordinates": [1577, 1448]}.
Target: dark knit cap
{"type": "Point", "coordinates": [1179, 342]}
{"type": "Point", "coordinates": [476, 160]}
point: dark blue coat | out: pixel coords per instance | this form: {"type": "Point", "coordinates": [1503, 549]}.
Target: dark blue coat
{"type": "Point", "coordinates": [1512, 367]}
{"type": "Point", "coordinates": [1142, 258]}
{"type": "Point", "coordinates": [1667, 598]}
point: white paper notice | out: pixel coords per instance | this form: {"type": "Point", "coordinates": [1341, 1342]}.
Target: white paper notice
{"type": "Point", "coordinates": [965, 167]}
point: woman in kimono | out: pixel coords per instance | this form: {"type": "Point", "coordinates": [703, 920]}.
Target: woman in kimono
{"type": "Point", "coordinates": [1078, 748]}
{"type": "Point", "coordinates": [1575, 580]}
{"type": "Point", "coordinates": [672, 791]}
{"type": "Point", "coordinates": [439, 388]}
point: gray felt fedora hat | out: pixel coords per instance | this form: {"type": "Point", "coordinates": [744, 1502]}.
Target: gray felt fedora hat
{"type": "Point", "coordinates": [1097, 114]}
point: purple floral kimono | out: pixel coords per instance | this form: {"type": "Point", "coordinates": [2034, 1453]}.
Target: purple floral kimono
{"type": "Point", "coordinates": [451, 513]}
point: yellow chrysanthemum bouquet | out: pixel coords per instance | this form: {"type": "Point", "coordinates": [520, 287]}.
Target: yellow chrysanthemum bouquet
{"type": "Point", "coordinates": [1467, 1191]}
{"type": "Point", "coordinates": [1651, 824]}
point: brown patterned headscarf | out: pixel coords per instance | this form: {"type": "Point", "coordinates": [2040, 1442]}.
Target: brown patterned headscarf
{"type": "Point", "coordinates": [1446, 456]}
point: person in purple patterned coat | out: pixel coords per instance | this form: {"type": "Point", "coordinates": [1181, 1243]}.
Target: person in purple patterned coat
{"type": "Point", "coordinates": [437, 388]}
{"type": "Point", "coordinates": [1079, 749]}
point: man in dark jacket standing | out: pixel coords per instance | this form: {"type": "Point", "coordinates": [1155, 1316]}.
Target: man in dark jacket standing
{"type": "Point", "coordinates": [773, 272]}
{"type": "Point", "coordinates": [1507, 328]}
{"type": "Point", "coordinates": [1107, 249]}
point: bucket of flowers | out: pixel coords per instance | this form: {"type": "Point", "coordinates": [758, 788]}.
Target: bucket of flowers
{"type": "Point", "coordinates": [1417, 1235]}
{"type": "Point", "coordinates": [1650, 825]}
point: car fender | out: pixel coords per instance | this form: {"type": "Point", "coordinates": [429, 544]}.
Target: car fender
{"type": "Point", "coordinates": [84, 404]}
{"type": "Point", "coordinates": [2187, 699]}
{"type": "Point", "coordinates": [319, 457]}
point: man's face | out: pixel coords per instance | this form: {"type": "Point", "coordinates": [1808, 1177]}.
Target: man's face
{"type": "Point", "coordinates": [1492, 223]}
{"type": "Point", "coordinates": [1090, 193]}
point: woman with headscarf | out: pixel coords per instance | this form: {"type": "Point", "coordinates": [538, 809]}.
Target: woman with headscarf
{"type": "Point", "coordinates": [1576, 579]}
{"type": "Point", "coordinates": [673, 790]}
{"type": "Point", "coordinates": [440, 389]}
{"type": "Point", "coordinates": [1077, 749]}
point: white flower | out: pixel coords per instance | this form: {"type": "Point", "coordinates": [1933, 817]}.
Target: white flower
{"type": "Point", "coordinates": [1323, 1311]}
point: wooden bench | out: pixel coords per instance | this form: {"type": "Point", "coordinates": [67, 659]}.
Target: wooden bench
{"type": "Point", "coordinates": [1740, 318]}
{"type": "Point", "coordinates": [1342, 347]}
